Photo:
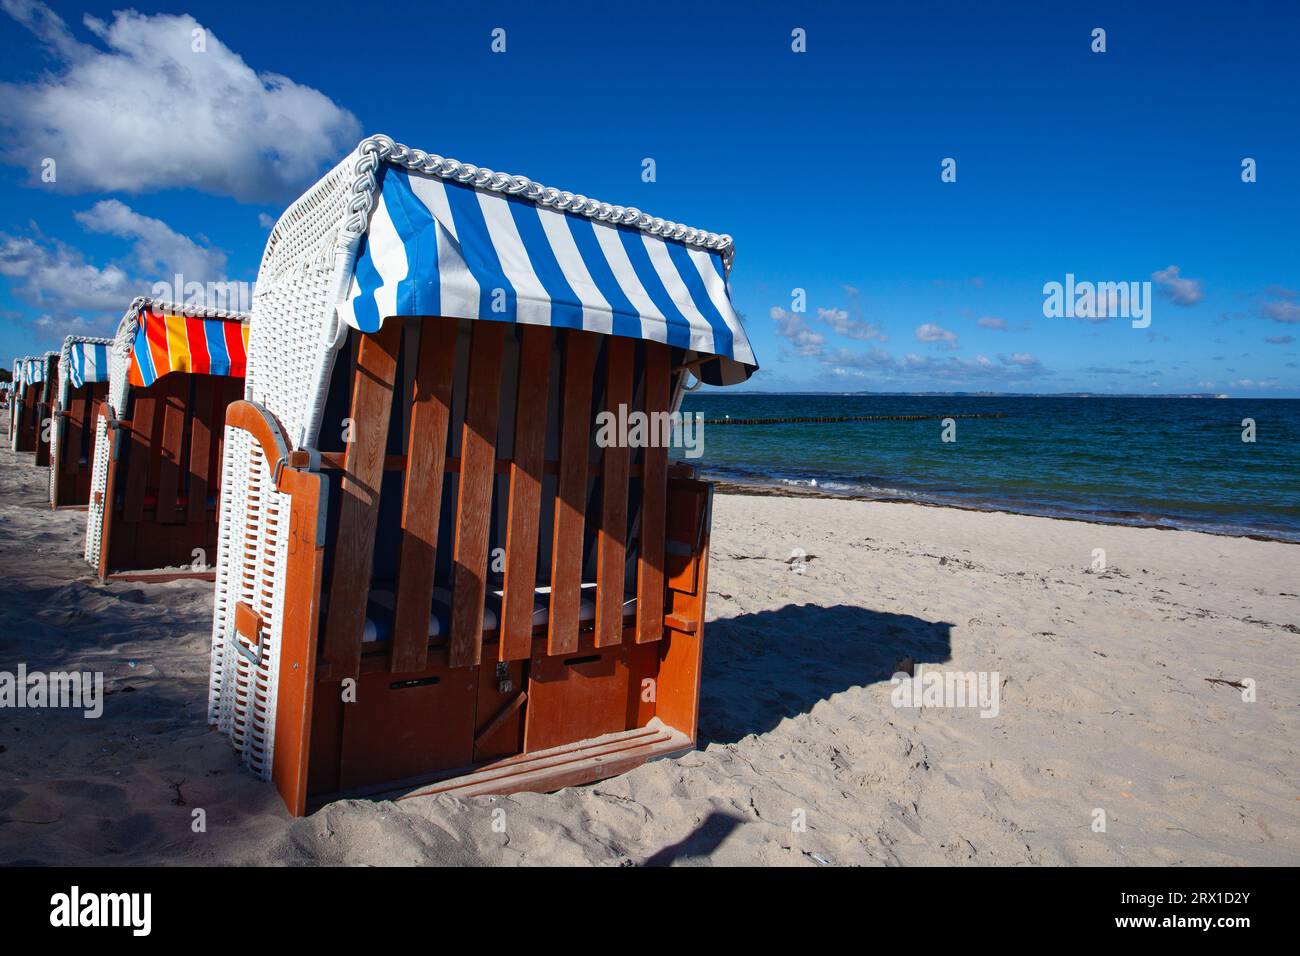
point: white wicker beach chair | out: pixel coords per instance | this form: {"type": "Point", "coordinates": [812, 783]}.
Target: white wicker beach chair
{"type": "Point", "coordinates": [82, 387]}
{"type": "Point", "coordinates": [29, 371]}
{"type": "Point", "coordinates": [172, 372]}
{"type": "Point", "coordinates": [46, 394]}
{"type": "Point", "coordinates": [15, 387]}
{"type": "Point", "coordinates": [414, 317]}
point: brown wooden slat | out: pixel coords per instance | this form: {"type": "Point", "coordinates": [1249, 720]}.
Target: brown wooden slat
{"type": "Point", "coordinates": [422, 493]}
{"type": "Point", "coordinates": [372, 404]}
{"type": "Point", "coordinates": [473, 510]}
{"type": "Point", "coordinates": [522, 517]}
{"type": "Point", "coordinates": [333, 461]}
{"type": "Point", "coordinates": [611, 541]}
{"type": "Point", "coordinates": [160, 390]}
{"type": "Point", "coordinates": [200, 448]}
{"type": "Point", "coordinates": [137, 463]}
{"type": "Point", "coordinates": [654, 494]}
{"type": "Point", "coordinates": [169, 451]}
{"type": "Point", "coordinates": [571, 501]}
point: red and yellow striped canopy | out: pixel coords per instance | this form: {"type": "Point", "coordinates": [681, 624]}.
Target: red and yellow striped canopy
{"type": "Point", "coordinates": [179, 343]}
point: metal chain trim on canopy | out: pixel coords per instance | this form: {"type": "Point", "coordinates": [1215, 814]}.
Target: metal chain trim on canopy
{"type": "Point", "coordinates": [379, 148]}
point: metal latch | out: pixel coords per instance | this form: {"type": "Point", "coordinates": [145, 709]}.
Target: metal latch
{"type": "Point", "coordinates": [248, 630]}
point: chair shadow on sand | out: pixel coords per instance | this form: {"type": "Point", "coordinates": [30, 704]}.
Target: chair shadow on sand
{"type": "Point", "coordinates": [761, 668]}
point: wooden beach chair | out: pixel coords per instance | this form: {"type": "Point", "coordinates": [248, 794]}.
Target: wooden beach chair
{"type": "Point", "coordinates": [156, 473]}
{"type": "Point", "coordinates": [11, 403]}
{"type": "Point", "coordinates": [45, 395]}
{"type": "Point", "coordinates": [15, 387]}
{"type": "Point", "coordinates": [432, 573]}
{"type": "Point", "coordinates": [82, 389]}
{"type": "Point", "coordinates": [25, 431]}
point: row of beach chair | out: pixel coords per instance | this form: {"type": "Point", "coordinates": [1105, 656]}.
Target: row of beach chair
{"type": "Point", "coordinates": [432, 573]}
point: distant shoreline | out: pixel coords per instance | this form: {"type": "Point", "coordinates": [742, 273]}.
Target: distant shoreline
{"type": "Point", "coordinates": [761, 490]}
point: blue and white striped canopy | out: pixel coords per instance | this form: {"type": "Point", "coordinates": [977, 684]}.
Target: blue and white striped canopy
{"type": "Point", "coordinates": [33, 371]}
{"type": "Point", "coordinates": [436, 247]}
{"type": "Point", "coordinates": [88, 362]}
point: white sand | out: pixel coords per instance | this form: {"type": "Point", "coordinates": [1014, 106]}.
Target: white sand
{"type": "Point", "coordinates": [1104, 705]}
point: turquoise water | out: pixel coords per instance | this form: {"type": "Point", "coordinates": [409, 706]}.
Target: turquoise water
{"type": "Point", "coordinates": [1146, 461]}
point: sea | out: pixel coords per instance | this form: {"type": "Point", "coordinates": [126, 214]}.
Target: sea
{"type": "Point", "coordinates": [1226, 466]}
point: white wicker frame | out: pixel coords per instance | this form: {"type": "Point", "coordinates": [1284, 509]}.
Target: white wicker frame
{"type": "Point", "coordinates": [61, 397]}
{"type": "Point", "coordinates": [242, 692]}
{"type": "Point", "coordinates": [119, 361]}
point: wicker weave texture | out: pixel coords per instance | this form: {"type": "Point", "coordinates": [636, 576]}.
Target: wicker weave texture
{"type": "Point", "coordinates": [252, 550]}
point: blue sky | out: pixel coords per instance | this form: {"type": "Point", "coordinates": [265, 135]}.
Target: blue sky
{"type": "Point", "coordinates": [1122, 166]}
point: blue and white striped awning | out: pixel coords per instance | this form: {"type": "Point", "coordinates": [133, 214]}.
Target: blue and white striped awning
{"type": "Point", "coordinates": [437, 247]}
{"type": "Point", "coordinates": [33, 371]}
{"type": "Point", "coordinates": [87, 362]}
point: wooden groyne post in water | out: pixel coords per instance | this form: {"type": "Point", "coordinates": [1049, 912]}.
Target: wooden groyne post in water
{"type": "Point", "coordinates": [844, 418]}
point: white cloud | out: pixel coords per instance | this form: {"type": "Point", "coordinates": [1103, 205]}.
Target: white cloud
{"type": "Point", "coordinates": [159, 250]}
{"type": "Point", "coordinates": [265, 221]}
{"type": "Point", "coordinates": [849, 327]}
{"type": "Point", "coordinates": [936, 335]}
{"type": "Point", "coordinates": [989, 322]}
{"type": "Point", "coordinates": [873, 358]}
{"type": "Point", "coordinates": [1021, 360]}
{"type": "Point", "coordinates": [917, 369]}
{"type": "Point", "coordinates": [76, 325]}
{"type": "Point", "coordinates": [1282, 311]}
{"type": "Point", "coordinates": [146, 111]}
{"type": "Point", "coordinates": [1179, 290]}
{"type": "Point", "coordinates": [791, 326]}
{"type": "Point", "coordinates": [54, 276]}
{"type": "Point", "coordinates": [1256, 383]}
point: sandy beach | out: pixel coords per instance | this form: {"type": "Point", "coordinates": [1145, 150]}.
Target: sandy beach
{"type": "Point", "coordinates": [1105, 703]}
